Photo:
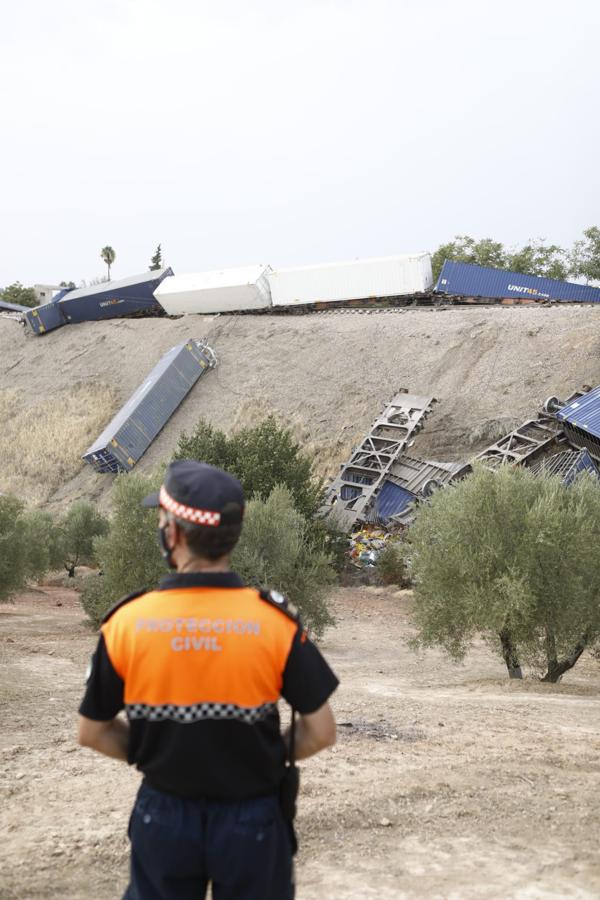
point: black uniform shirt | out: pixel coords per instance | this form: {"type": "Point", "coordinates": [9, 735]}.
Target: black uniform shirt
{"type": "Point", "coordinates": [199, 665]}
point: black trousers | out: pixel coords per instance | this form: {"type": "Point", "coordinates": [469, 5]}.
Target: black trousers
{"type": "Point", "coordinates": [179, 847]}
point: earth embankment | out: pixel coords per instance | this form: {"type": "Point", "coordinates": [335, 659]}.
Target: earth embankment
{"type": "Point", "coordinates": [325, 375]}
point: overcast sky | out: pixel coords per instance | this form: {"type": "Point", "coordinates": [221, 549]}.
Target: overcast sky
{"type": "Point", "coordinates": [290, 131]}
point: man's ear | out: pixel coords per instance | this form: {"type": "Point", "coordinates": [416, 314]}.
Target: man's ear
{"type": "Point", "coordinates": [174, 533]}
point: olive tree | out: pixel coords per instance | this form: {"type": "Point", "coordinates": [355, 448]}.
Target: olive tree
{"type": "Point", "coordinates": [13, 548]}
{"type": "Point", "coordinates": [275, 551]}
{"type": "Point", "coordinates": [514, 557]}
{"type": "Point", "coordinates": [261, 457]}
{"type": "Point", "coordinates": [77, 529]}
{"type": "Point", "coordinates": [128, 553]}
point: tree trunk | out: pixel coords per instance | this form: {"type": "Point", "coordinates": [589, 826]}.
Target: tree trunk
{"type": "Point", "coordinates": [509, 654]}
{"type": "Point", "coordinates": [71, 571]}
{"type": "Point", "coordinates": [556, 667]}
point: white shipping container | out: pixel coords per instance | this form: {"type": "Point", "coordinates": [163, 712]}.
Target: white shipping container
{"type": "Point", "coordinates": [224, 290]}
{"type": "Point", "coordinates": [360, 279]}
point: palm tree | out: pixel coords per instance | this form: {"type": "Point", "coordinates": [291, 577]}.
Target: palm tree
{"type": "Point", "coordinates": [109, 256]}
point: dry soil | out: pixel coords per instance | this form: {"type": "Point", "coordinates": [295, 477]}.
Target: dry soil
{"type": "Point", "coordinates": [326, 375]}
{"type": "Point", "coordinates": [446, 782]}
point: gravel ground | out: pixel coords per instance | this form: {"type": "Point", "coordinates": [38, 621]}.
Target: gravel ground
{"type": "Point", "coordinates": [446, 782]}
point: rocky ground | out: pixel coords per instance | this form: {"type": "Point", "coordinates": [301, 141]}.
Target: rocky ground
{"type": "Point", "coordinates": [446, 782]}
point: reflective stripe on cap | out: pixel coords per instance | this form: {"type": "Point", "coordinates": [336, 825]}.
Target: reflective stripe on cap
{"type": "Point", "coordinates": [188, 513]}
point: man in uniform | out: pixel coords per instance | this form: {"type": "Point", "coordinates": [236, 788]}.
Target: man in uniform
{"type": "Point", "coordinates": [199, 664]}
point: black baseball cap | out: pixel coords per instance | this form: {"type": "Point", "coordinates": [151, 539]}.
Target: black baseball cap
{"type": "Point", "coordinates": [199, 494]}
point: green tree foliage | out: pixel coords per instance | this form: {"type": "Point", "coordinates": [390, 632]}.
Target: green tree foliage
{"type": "Point", "coordinates": [463, 248]}
{"type": "Point", "coordinates": [275, 551]}
{"type": "Point", "coordinates": [108, 255]}
{"type": "Point", "coordinates": [536, 258]}
{"type": "Point", "coordinates": [261, 457]}
{"type": "Point", "coordinates": [67, 284]}
{"type": "Point", "coordinates": [390, 566]}
{"type": "Point", "coordinates": [13, 555]}
{"type": "Point", "coordinates": [514, 557]}
{"type": "Point", "coordinates": [128, 554]}
{"type": "Point", "coordinates": [16, 293]}
{"type": "Point", "coordinates": [42, 538]}
{"type": "Point", "coordinates": [585, 256]}
{"type": "Point", "coordinates": [77, 530]}
{"type": "Point", "coordinates": [156, 261]}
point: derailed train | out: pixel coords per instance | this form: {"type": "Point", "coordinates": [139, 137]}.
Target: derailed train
{"type": "Point", "coordinates": [380, 281]}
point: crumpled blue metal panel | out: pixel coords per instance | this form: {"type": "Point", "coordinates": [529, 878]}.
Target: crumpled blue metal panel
{"type": "Point", "coordinates": [392, 500]}
{"type": "Point", "coordinates": [566, 465]}
{"type": "Point", "coordinates": [583, 413]}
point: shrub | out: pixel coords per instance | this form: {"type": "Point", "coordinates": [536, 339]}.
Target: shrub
{"type": "Point", "coordinates": [390, 567]}
{"type": "Point", "coordinates": [261, 457]}
{"type": "Point", "coordinates": [513, 556]}
{"type": "Point", "coordinates": [13, 556]}
{"type": "Point", "coordinates": [328, 536]}
{"type": "Point", "coordinates": [77, 530]}
{"type": "Point", "coordinates": [42, 543]}
{"type": "Point", "coordinates": [128, 554]}
{"type": "Point", "coordinates": [275, 551]}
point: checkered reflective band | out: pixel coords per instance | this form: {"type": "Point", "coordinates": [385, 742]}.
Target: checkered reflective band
{"type": "Point", "coordinates": [188, 513]}
{"type": "Point", "coordinates": [199, 711]}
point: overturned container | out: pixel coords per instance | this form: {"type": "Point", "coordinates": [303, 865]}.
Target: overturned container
{"type": "Point", "coordinates": [359, 279]}
{"type": "Point", "coordinates": [467, 280]}
{"type": "Point", "coordinates": [48, 317]}
{"type": "Point", "coordinates": [580, 418]}
{"type": "Point", "coordinates": [112, 299]}
{"type": "Point", "coordinates": [147, 411]}
{"type": "Point", "coordinates": [223, 290]}
{"type": "Point", "coordinates": [5, 306]}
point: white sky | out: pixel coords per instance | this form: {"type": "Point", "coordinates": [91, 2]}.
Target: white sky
{"type": "Point", "coordinates": [290, 131]}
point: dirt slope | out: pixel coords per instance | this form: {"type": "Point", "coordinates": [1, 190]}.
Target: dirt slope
{"type": "Point", "coordinates": [446, 781]}
{"type": "Point", "coordinates": [326, 375]}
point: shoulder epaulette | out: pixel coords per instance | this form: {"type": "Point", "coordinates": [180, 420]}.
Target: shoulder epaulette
{"type": "Point", "coordinates": [121, 603]}
{"type": "Point", "coordinates": [281, 602]}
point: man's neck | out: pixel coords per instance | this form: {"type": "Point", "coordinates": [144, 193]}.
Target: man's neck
{"type": "Point", "coordinates": [195, 564]}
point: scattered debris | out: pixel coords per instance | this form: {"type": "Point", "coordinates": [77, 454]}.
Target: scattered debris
{"type": "Point", "coordinates": [378, 490]}
{"type": "Point", "coordinates": [383, 731]}
{"type": "Point", "coordinates": [366, 544]}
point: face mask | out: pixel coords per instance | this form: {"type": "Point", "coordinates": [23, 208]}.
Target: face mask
{"type": "Point", "coordinates": [164, 547]}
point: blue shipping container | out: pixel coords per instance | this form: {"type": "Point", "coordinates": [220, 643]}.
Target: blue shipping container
{"type": "Point", "coordinates": [581, 422]}
{"type": "Point", "coordinates": [463, 279]}
{"type": "Point", "coordinates": [115, 298]}
{"type": "Point", "coordinates": [150, 407]}
{"type": "Point", "coordinates": [13, 307]}
{"type": "Point", "coordinates": [45, 318]}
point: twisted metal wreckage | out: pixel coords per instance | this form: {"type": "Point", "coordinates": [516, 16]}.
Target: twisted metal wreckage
{"type": "Point", "coordinates": [381, 484]}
